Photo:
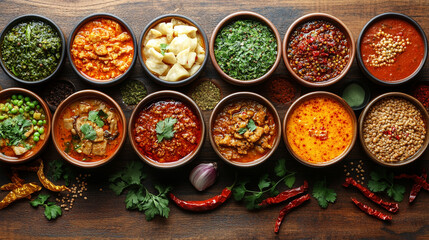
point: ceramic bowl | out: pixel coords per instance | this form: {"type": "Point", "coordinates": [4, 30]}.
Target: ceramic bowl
{"type": "Point", "coordinates": [57, 119]}
{"type": "Point", "coordinates": [425, 116]}
{"type": "Point", "coordinates": [167, 18]}
{"type": "Point", "coordinates": [34, 17]}
{"type": "Point", "coordinates": [6, 93]}
{"type": "Point", "coordinates": [325, 17]}
{"type": "Point", "coordinates": [244, 16]}
{"type": "Point", "coordinates": [86, 78]}
{"type": "Point", "coordinates": [157, 97]}
{"type": "Point", "coordinates": [245, 96]}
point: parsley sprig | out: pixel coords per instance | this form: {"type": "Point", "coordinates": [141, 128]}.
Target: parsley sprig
{"type": "Point", "coordinates": [323, 194]}
{"type": "Point", "coordinates": [252, 198]}
{"type": "Point", "coordinates": [52, 211]}
{"type": "Point", "coordinates": [251, 126]}
{"type": "Point", "coordinates": [138, 196]}
{"type": "Point", "coordinates": [165, 129]}
{"type": "Point", "coordinates": [384, 181]}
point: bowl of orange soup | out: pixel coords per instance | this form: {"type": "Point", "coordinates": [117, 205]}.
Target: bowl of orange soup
{"type": "Point", "coordinates": [25, 122]}
{"type": "Point", "coordinates": [320, 129]}
{"type": "Point", "coordinates": [88, 128]}
{"type": "Point", "coordinates": [244, 129]}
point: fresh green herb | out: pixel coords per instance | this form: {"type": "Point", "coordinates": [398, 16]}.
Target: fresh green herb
{"type": "Point", "coordinates": [164, 129]}
{"type": "Point", "coordinates": [132, 91]}
{"type": "Point", "coordinates": [323, 194]}
{"type": "Point", "coordinates": [164, 48]}
{"type": "Point", "coordinates": [52, 211]}
{"type": "Point", "coordinates": [14, 129]}
{"type": "Point", "coordinates": [251, 126]}
{"type": "Point", "coordinates": [138, 197]}
{"type": "Point", "coordinates": [384, 181]}
{"type": "Point", "coordinates": [58, 170]}
{"type": "Point", "coordinates": [252, 198]}
{"type": "Point", "coordinates": [88, 131]}
{"type": "Point", "coordinates": [245, 49]}
{"type": "Point", "coordinates": [97, 117]}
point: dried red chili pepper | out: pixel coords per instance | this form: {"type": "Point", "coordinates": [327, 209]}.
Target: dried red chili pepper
{"type": "Point", "coordinates": [293, 204]}
{"type": "Point", "coordinates": [419, 180]}
{"type": "Point", "coordinates": [19, 193]}
{"type": "Point", "coordinates": [205, 205]}
{"type": "Point", "coordinates": [47, 183]}
{"type": "Point", "coordinates": [417, 187]}
{"type": "Point", "coordinates": [285, 195]}
{"type": "Point", "coordinates": [370, 211]}
{"type": "Point", "coordinates": [10, 186]}
{"type": "Point", "coordinates": [391, 207]}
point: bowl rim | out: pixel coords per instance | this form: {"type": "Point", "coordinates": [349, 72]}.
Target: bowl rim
{"type": "Point", "coordinates": [93, 81]}
{"type": "Point", "coordinates": [344, 104]}
{"type": "Point", "coordinates": [29, 17]}
{"type": "Point", "coordinates": [338, 23]}
{"type": "Point", "coordinates": [149, 26]}
{"type": "Point", "coordinates": [363, 31]}
{"type": "Point", "coordinates": [88, 94]}
{"type": "Point", "coordinates": [246, 96]}
{"type": "Point", "coordinates": [425, 116]}
{"type": "Point", "coordinates": [17, 90]}
{"type": "Point", "coordinates": [245, 15]}
{"type": "Point", "coordinates": [157, 96]}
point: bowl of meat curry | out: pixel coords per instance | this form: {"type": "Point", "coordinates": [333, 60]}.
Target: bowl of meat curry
{"type": "Point", "coordinates": [25, 122]}
{"type": "Point", "coordinates": [88, 128]}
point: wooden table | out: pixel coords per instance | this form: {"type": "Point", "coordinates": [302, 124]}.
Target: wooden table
{"type": "Point", "coordinates": [103, 214]}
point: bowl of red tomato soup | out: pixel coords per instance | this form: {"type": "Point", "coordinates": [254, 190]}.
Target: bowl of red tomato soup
{"type": "Point", "coordinates": [391, 49]}
{"type": "Point", "coordinates": [89, 128]}
{"type": "Point", "coordinates": [166, 129]}
{"type": "Point", "coordinates": [245, 129]}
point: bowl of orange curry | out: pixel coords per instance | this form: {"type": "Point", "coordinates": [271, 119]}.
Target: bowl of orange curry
{"type": "Point", "coordinates": [245, 129]}
{"type": "Point", "coordinates": [320, 129]}
{"type": "Point", "coordinates": [102, 49]}
{"type": "Point", "coordinates": [88, 128]}
{"type": "Point", "coordinates": [167, 129]}
{"type": "Point", "coordinates": [25, 122]}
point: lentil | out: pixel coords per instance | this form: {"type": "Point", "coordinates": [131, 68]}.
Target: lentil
{"type": "Point", "coordinates": [318, 51]}
{"type": "Point", "coordinates": [132, 91]}
{"type": "Point", "coordinates": [206, 95]}
{"type": "Point", "coordinates": [394, 129]}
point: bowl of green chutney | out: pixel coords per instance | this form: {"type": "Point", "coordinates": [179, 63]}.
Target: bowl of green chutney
{"type": "Point", "coordinates": [356, 93]}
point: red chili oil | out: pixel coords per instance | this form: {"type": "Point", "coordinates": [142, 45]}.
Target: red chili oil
{"type": "Point", "coordinates": [318, 51]}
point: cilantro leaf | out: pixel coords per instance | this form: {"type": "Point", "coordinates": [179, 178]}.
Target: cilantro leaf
{"type": "Point", "coordinates": [88, 131]}
{"type": "Point", "coordinates": [396, 192]}
{"type": "Point", "coordinates": [134, 197]}
{"type": "Point", "coordinates": [118, 187]}
{"type": "Point", "coordinates": [55, 169]}
{"type": "Point", "coordinates": [280, 168]}
{"type": "Point", "coordinates": [14, 129]}
{"type": "Point", "coordinates": [239, 191]}
{"type": "Point", "coordinates": [40, 200]}
{"type": "Point", "coordinates": [164, 48]}
{"type": "Point", "coordinates": [156, 204]}
{"type": "Point", "coordinates": [94, 116]}
{"type": "Point", "coordinates": [322, 194]}
{"type": "Point", "coordinates": [290, 180]}
{"type": "Point", "coordinates": [251, 201]}
{"type": "Point", "coordinates": [251, 125]}
{"type": "Point", "coordinates": [52, 211]}
{"type": "Point", "coordinates": [164, 129]}
{"type": "Point", "coordinates": [242, 131]}
{"type": "Point", "coordinates": [384, 181]}
{"type": "Point", "coordinates": [264, 182]}
{"type": "Point", "coordinates": [375, 186]}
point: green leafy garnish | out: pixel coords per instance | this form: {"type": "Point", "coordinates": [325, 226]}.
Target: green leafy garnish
{"type": "Point", "coordinates": [28, 32]}
{"type": "Point", "coordinates": [14, 129]}
{"type": "Point", "coordinates": [88, 131]}
{"type": "Point", "coordinates": [58, 170]}
{"type": "Point", "coordinates": [164, 48]}
{"type": "Point", "coordinates": [323, 194]}
{"type": "Point", "coordinates": [52, 211]}
{"type": "Point", "coordinates": [251, 126]}
{"type": "Point", "coordinates": [97, 117]}
{"type": "Point", "coordinates": [164, 129]}
{"type": "Point", "coordinates": [384, 181]}
{"type": "Point", "coordinates": [138, 197]}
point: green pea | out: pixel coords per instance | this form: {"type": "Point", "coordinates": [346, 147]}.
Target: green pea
{"type": "Point", "coordinates": [36, 128]}
{"type": "Point", "coordinates": [40, 122]}
{"type": "Point", "coordinates": [31, 112]}
{"type": "Point", "coordinates": [34, 122]}
{"type": "Point", "coordinates": [42, 116]}
{"type": "Point", "coordinates": [41, 130]}
{"type": "Point", "coordinates": [1, 117]}
{"type": "Point", "coordinates": [27, 108]}
{"type": "Point", "coordinates": [13, 96]}
{"type": "Point", "coordinates": [21, 110]}
{"type": "Point", "coordinates": [31, 105]}
{"type": "Point", "coordinates": [35, 102]}
{"type": "Point", "coordinates": [36, 134]}
{"type": "Point", "coordinates": [15, 102]}
{"type": "Point", "coordinates": [44, 121]}
{"type": "Point", "coordinates": [27, 103]}
{"type": "Point", "coordinates": [14, 111]}
{"type": "Point", "coordinates": [36, 138]}
{"type": "Point", "coordinates": [3, 108]}
{"type": "Point", "coordinates": [27, 99]}
{"type": "Point", "coordinates": [38, 106]}
{"type": "Point", "coordinates": [10, 107]}
{"type": "Point", "coordinates": [20, 102]}
{"type": "Point", "coordinates": [20, 97]}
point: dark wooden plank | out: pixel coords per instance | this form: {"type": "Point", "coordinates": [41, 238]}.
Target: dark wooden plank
{"type": "Point", "coordinates": [104, 215]}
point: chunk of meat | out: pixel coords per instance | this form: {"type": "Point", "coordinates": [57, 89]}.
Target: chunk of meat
{"type": "Point", "coordinates": [100, 135]}
{"type": "Point", "coordinates": [18, 150]}
{"type": "Point", "coordinates": [99, 148]}
{"type": "Point", "coordinates": [84, 107]}
{"type": "Point", "coordinates": [259, 117]}
{"type": "Point", "coordinates": [86, 147]}
{"type": "Point", "coordinates": [68, 123]}
{"type": "Point", "coordinates": [255, 136]}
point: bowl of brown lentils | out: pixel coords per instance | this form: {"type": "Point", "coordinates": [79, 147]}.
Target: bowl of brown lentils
{"type": "Point", "coordinates": [394, 129]}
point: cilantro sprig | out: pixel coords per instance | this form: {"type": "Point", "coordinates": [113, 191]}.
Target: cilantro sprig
{"type": "Point", "coordinates": [52, 211]}
{"type": "Point", "coordinates": [97, 117]}
{"type": "Point", "coordinates": [165, 129]}
{"type": "Point", "coordinates": [57, 170]}
{"type": "Point", "coordinates": [251, 126]}
{"type": "Point", "coordinates": [88, 131]}
{"type": "Point", "coordinates": [138, 196]}
{"type": "Point", "coordinates": [266, 186]}
{"type": "Point", "coordinates": [384, 181]}
{"type": "Point", "coordinates": [323, 194]}
{"type": "Point", "coordinates": [14, 129]}
{"type": "Point", "coordinates": [164, 48]}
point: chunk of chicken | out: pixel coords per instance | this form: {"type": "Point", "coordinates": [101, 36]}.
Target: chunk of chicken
{"type": "Point", "coordinates": [99, 148]}
{"type": "Point", "coordinates": [18, 150]}
{"type": "Point", "coordinates": [100, 135]}
{"type": "Point", "coordinates": [68, 123]}
{"type": "Point", "coordinates": [259, 117]}
{"type": "Point", "coordinates": [29, 132]}
{"type": "Point", "coordinates": [86, 147]}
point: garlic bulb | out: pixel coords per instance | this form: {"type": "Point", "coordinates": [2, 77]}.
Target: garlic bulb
{"type": "Point", "coordinates": [203, 175]}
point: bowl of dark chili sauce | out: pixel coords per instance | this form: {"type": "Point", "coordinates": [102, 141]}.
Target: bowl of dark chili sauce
{"type": "Point", "coordinates": [392, 49]}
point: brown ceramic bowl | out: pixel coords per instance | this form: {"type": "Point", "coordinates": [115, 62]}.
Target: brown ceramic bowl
{"type": "Point", "coordinates": [309, 96]}
{"type": "Point", "coordinates": [245, 96]}
{"type": "Point", "coordinates": [162, 96]}
{"type": "Point", "coordinates": [338, 23]}
{"type": "Point", "coordinates": [82, 95]}
{"type": "Point", "coordinates": [425, 119]}
{"type": "Point", "coordinates": [6, 93]}
{"type": "Point", "coordinates": [242, 16]}
{"type": "Point", "coordinates": [165, 18]}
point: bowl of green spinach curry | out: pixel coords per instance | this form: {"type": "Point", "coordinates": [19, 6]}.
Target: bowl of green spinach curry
{"type": "Point", "coordinates": [32, 49]}
{"type": "Point", "coordinates": [245, 48]}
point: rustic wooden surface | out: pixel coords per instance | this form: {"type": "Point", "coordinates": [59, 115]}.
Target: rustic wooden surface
{"type": "Point", "coordinates": [104, 215]}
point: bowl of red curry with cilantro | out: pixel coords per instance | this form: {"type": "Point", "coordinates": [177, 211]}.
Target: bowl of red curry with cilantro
{"type": "Point", "coordinates": [318, 50]}
{"type": "Point", "coordinates": [391, 49]}
{"type": "Point", "coordinates": [166, 129]}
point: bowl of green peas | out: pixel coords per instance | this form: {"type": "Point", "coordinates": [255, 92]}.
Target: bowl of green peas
{"type": "Point", "coordinates": [25, 121]}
